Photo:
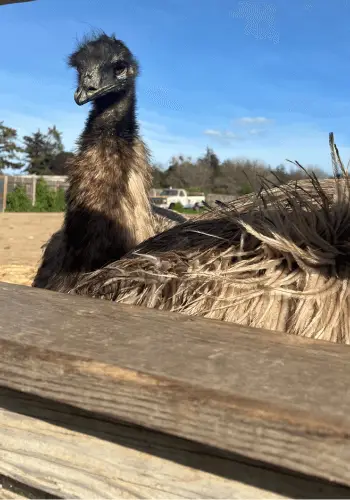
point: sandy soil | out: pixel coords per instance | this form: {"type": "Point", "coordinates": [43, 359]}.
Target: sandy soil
{"type": "Point", "coordinates": [21, 238]}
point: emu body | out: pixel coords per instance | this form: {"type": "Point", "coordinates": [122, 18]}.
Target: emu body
{"type": "Point", "coordinates": [278, 261]}
{"type": "Point", "coordinates": [108, 208]}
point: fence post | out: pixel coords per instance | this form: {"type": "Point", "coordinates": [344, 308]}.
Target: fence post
{"type": "Point", "coordinates": [33, 190]}
{"type": "Point", "coordinates": [4, 194]}
{"type": "Point", "coordinates": [2, 190]}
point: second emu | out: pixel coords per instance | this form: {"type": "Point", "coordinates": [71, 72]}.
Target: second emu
{"type": "Point", "coordinates": [108, 208]}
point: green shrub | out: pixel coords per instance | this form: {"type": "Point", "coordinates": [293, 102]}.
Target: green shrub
{"type": "Point", "coordinates": [60, 200]}
{"type": "Point", "coordinates": [18, 201]}
{"type": "Point", "coordinates": [47, 199]}
{"type": "Point", "coordinates": [44, 197]}
{"type": "Point", "coordinates": [245, 188]}
{"type": "Point", "coordinates": [178, 207]}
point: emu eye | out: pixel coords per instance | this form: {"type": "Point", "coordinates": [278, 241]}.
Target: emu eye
{"type": "Point", "coordinates": [120, 68]}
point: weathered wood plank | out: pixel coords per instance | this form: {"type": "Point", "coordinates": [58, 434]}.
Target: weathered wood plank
{"type": "Point", "coordinates": [8, 494]}
{"type": "Point", "coordinates": [74, 454]}
{"type": "Point", "coordinates": [5, 2]}
{"type": "Point", "coordinates": [13, 489]}
{"type": "Point", "coordinates": [3, 192]}
{"type": "Point", "coordinates": [271, 397]}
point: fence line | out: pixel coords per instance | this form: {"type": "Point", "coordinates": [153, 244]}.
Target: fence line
{"type": "Point", "coordinates": [9, 182]}
{"type": "Point", "coordinates": [109, 400]}
{"type": "Point", "coordinates": [29, 182]}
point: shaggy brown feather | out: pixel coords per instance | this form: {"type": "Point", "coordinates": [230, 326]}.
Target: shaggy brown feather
{"type": "Point", "coordinates": [277, 261]}
{"type": "Point", "coordinates": [108, 208]}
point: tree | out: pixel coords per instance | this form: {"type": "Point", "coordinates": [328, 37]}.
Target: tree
{"type": "Point", "coordinates": [60, 163]}
{"type": "Point", "coordinates": [158, 176]}
{"type": "Point", "coordinates": [280, 173]}
{"type": "Point", "coordinates": [211, 160]}
{"type": "Point", "coordinates": [174, 175]}
{"type": "Point", "coordinates": [54, 138]}
{"type": "Point", "coordinates": [9, 149]}
{"type": "Point", "coordinates": [41, 149]}
{"type": "Point", "coordinates": [314, 169]}
{"type": "Point", "coordinates": [37, 153]}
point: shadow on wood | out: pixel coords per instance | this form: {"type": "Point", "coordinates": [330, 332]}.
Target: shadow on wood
{"type": "Point", "coordinates": [258, 412]}
{"type": "Point", "coordinates": [186, 469]}
{"type": "Point", "coordinates": [12, 489]}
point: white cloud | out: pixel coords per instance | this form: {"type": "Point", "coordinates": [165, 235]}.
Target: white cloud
{"type": "Point", "coordinates": [231, 135]}
{"type": "Point", "coordinates": [254, 120]}
{"type": "Point", "coordinates": [224, 136]}
{"type": "Point", "coordinates": [169, 134]}
{"type": "Point", "coordinates": [293, 141]}
{"type": "Point", "coordinates": [215, 133]}
{"type": "Point", "coordinates": [256, 131]}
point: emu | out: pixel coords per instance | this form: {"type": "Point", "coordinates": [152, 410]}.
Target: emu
{"type": "Point", "coordinates": [108, 209]}
{"type": "Point", "coordinates": [277, 260]}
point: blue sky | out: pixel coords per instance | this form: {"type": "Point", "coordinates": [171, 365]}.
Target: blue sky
{"type": "Point", "coordinates": [257, 79]}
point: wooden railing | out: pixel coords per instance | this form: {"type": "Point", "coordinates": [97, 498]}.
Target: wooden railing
{"type": "Point", "coordinates": [5, 2]}
{"type": "Point", "coordinates": [99, 400]}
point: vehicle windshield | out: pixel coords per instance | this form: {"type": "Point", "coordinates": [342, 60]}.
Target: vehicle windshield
{"type": "Point", "coordinates": [169, 192]}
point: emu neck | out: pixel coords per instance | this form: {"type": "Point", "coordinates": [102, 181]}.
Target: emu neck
{"type": "Point", "coordinates": [112, 116]}
{"type": "Point", "coordinates": [108, 208]}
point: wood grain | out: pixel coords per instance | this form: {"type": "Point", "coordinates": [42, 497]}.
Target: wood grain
{"type": "Point", "coordinates": [12, 489]}
{"type": "Point", "coordinates": [280, 399]}
{"type": "Point", "coordinates": [78, 455]}
{"type": "Point", "coordinates": [8, 494]}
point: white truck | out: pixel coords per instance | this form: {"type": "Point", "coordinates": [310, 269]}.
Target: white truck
{"type": "Point", "coordinates": [170, 196]}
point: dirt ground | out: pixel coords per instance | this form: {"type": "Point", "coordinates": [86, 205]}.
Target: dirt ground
{"type": "Point", "coordinates": [21, 238]}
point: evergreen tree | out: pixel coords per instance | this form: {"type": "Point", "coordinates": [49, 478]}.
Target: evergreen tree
{"type": "Point", "coordinates": [9, 149]}
{"type": "Point", "coordinates": [60, 163]}
{"type": "Point", "coordinates": [54, 138]}
{"type": "Point", "coordinates": [37, 153]}
{"type": "Point", "coordinates": [41, 150]}
{"type": "Point", "coordinates": [211, 160]}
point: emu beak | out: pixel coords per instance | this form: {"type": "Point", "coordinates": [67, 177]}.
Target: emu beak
{"type": "Point", "coordinates": [89, 87]}
{"type": "Point", "coordinates": [80, 96]}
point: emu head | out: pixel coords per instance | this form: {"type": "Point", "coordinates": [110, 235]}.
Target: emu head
{"type": "Point", "coordinates": [105, 66]}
